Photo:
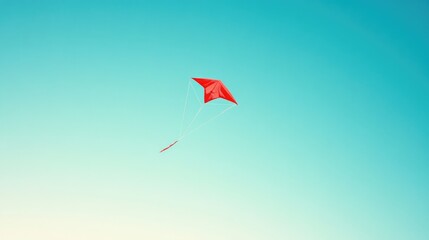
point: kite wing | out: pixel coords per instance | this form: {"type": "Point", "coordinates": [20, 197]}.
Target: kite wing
{"type": "Point", "coordinates": [214, 89]}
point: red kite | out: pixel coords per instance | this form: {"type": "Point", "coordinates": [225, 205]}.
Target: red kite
{"type": "Point", "coordinates": [213, 89]}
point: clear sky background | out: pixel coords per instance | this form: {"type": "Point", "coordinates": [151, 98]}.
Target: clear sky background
{"type": "Point", "coordinates": [330, 140]}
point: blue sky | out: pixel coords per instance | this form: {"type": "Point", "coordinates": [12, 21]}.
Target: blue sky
{"type": "Point", "coordinates": [330, 140]}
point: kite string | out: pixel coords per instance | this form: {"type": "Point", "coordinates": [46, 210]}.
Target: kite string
{"type": "Point", "coordinates": [193, 119]}
{"type": "Point", "coordinates": [184, 109]}
{"type": "Point", "coordinates": [205, 123]}
{"type": "Point", "coordinates": [184, 129]}
{"type": "Point", "coordinates": [195, 93]}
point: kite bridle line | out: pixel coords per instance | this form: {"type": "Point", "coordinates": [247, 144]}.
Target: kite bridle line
{"type": "Point", "coordinates": [193, 119]}
{"type": "Point", "coordinates": [205, 123]}
{"type": "Point", "coordinates": [195, 94]}
{"type": "Point", "coordinates": [184, 109]}
{"type": "Point", "coordinates": [186, 106]}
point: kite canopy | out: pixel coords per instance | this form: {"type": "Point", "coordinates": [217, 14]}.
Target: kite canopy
{"type": "Point", "coordinates": [214, 89]}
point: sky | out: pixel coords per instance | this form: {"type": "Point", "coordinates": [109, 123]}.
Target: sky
{"type": "Point", "coordinates": [330, 140]}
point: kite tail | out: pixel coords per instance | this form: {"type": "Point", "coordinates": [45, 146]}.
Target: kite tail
{"type": "Point", "coordinates": [169, 146]}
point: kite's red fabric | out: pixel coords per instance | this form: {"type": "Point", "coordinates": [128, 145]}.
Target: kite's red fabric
{"type": "Point", "coordinates": [214, 89]}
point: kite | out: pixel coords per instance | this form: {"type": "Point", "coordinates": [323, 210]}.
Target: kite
{"type": "Point", "coordinates": [213, 89]}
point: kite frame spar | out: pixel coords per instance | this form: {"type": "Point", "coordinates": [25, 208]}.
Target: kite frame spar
{"type": "Point", "coordinates": [209, 85]}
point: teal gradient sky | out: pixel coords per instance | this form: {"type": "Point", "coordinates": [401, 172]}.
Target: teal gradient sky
{"type": "Point", "coordinates": [330, 140]}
